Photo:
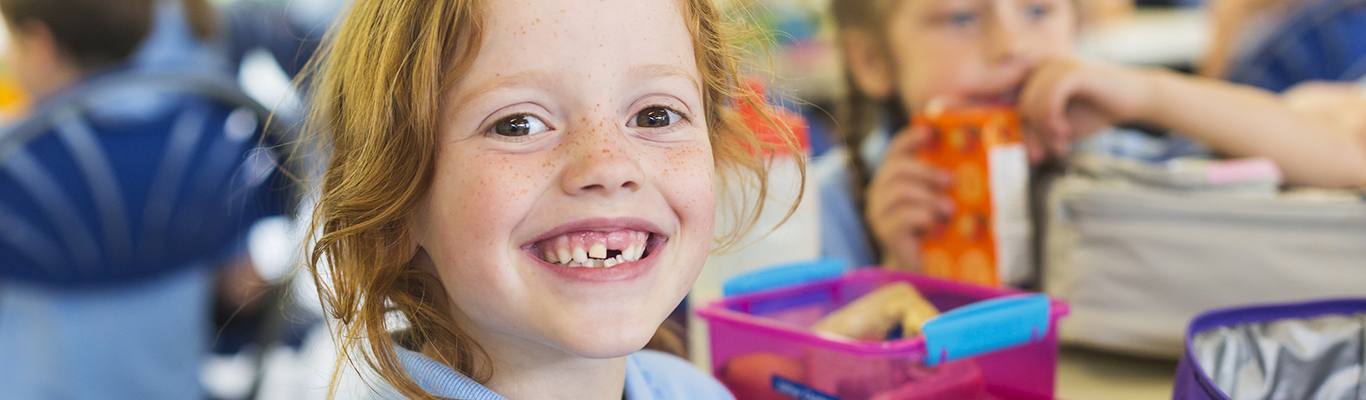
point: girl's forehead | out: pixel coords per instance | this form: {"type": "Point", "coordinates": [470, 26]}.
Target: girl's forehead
{"type": "Point", "coordinates": [585, 37]}
{"type": "Point", "coordinates": [583, 23]}
{"type": "Point", "coordinates": [921, 8]}
{"type": "Point", "coordinates": [931, 3]}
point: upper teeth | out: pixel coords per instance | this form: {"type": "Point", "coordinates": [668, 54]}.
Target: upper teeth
{"type": "Point", "coordinates": [590, 249]}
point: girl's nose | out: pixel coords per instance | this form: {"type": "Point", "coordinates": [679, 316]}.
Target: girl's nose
{"type": "Point", "coordinates": [602, 162]}
{"type": "Point", "coordinates": [1005, 40]}
{"type": "Point", "coordinates": [1005, 45]}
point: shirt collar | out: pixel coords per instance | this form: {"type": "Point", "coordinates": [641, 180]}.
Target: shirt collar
{"type": "Point", "coordinates": [442, 381]}
{"type": "Point", "coordinates": [638, 385]}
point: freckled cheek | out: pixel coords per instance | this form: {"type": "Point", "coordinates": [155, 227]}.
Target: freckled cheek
{"type": "Point", "coordinates": [486, 196]}
{"type": "Point", "coordinates": [687, 177]}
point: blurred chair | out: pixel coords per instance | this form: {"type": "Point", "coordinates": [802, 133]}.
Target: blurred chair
{"type": "Point", "coordinates": [117, 198]}
{"type": "Point", "coordinates": [122, 198]}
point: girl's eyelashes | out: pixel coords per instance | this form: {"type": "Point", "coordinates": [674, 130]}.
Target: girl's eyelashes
{"type": "Point", "coordinates": [656, 117]}
{"type": "Point", "coordinates": [955, 16]}
{"type": "Point", "coordinates": [523, 126]}
{"type": "Point", "coordinates": [517, 126]}
{"type": "Point", "coordinates": [1036, 12]}
{"type": "Point", "coordinates": [961, 19]}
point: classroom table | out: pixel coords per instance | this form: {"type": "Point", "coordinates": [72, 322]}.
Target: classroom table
{"type": "Point", "coordinates": [1085, 374]}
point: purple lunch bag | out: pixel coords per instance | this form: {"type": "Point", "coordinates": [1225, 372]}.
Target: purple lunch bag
{"type": "Point", "coordinates": [1294, 351]}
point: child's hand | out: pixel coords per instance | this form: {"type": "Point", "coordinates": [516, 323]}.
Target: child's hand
{"type": "Point", "coordinates": [905, 199]}
{"type": "Point", "coordinates": [1340, 106]}
{"type": "Point", "coordinates": [1065, 99]}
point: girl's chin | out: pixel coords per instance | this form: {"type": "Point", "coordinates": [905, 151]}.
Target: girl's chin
{"type": "Point", "coordinates": [607, 346]}
{"type": "Point", "coordinates": [600, 334]}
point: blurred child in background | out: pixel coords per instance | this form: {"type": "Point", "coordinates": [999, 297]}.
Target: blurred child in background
{"type": "Point", "coordinates": [54, 45]}
{"type": "Point", "coordinates": [137, 334]}
{"type": "Point", "coordinates": [903, 55]}
{"type": "Point", "coordinates": [136, 341]}
{"type": "Point", "coordinates": [1237, 24]}
{"type": "Point", "coordinates": [1312, 50]}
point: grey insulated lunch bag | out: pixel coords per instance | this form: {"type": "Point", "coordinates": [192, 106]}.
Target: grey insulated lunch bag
{"type": "Point", "coordinates": [1140, 249]}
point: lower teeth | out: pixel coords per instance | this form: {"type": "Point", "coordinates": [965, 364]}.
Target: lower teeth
{"type": "Point", "coordinates": [595, 263]}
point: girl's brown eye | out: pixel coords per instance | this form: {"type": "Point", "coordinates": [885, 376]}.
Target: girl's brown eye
{"type": "Point", "coordinates": [1037, 11]}
{"type": "Point", "coordinates": [656, 117]}
{"type": "Point", "coordinates": [519, 125]}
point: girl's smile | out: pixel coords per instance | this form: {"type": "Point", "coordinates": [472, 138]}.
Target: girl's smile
{"type": "Point", "coordinates": [599, 249]}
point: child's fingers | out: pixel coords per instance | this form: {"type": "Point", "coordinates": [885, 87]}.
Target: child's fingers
{"type": "Point", "coordinates": [902, 180]}
{"type": "Point", "coordinates": [907, 208]}
{"type": "Point", "coordinates": [1033, 110]}
{"type": "Point", "coordinates": [903, 167]}
{"type": "Point", "coordinates": [912, 221]}
{"type": "Point", "coordinates": [1064, 88]}
{"type": "Point", "coordinates": [1043, 102]}
{"type": "Point", "coordinates": [902, 195]}
{"type": "Point", "coordinates": [908, 141]}
{"type": "Point", "coordinates": [903, 240]}
{"type": "Point", "coordinates": [888, 207]}
{"type": "Point", "coordinates": [905, 198]}
{"type": "Point", "coordinates": [1084, 119]}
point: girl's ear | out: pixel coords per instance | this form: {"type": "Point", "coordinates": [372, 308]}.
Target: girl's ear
{"type": "Point", "coordinates": [868, 63]}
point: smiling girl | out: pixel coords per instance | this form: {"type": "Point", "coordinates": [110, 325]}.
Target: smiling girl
{"type": "Point", "coordinates": [529, 184]}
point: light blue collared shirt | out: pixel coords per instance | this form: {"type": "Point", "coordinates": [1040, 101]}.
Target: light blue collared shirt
{"type": "Point", "coordinates": [650, 375]}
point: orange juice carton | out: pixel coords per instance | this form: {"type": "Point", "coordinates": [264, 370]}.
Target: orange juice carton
{"type": "Point", "coordinates": [987, 240]}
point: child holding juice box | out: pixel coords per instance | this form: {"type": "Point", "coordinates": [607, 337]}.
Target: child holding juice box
{"type": "Point", "coordinates": [903, 55]}
{"type": "Point", "coordinates": [531, 186]}
{"type": "Point", "coordinates": [986, 239]}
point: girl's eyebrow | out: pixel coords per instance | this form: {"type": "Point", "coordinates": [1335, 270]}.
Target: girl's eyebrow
{"type": "Point", "coordinates": [542, 78]}
{"type": "Point", "coordinates": [658, 71]}
{"type": "Point", "coordinates": [534, 78]}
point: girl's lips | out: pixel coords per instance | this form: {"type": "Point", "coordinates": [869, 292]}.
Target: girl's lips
{"type": "Point", "coordinates": [615, 235]}
{"type": "Point", "coordinates": [1000, 94]}
{"type": "Point", "coordinates": [1003, 100]}
{"type": "Point", "coordinates": [599, 225]}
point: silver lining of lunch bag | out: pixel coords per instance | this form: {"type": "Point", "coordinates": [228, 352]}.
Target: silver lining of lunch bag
{"type": "Point", "coordinates": [1320, 358]}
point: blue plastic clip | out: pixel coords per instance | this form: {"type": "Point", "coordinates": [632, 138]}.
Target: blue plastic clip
{"type": "Point", "coordinates": [784, 275]}
{"type": "Point", "coordinates": [986, 326]}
